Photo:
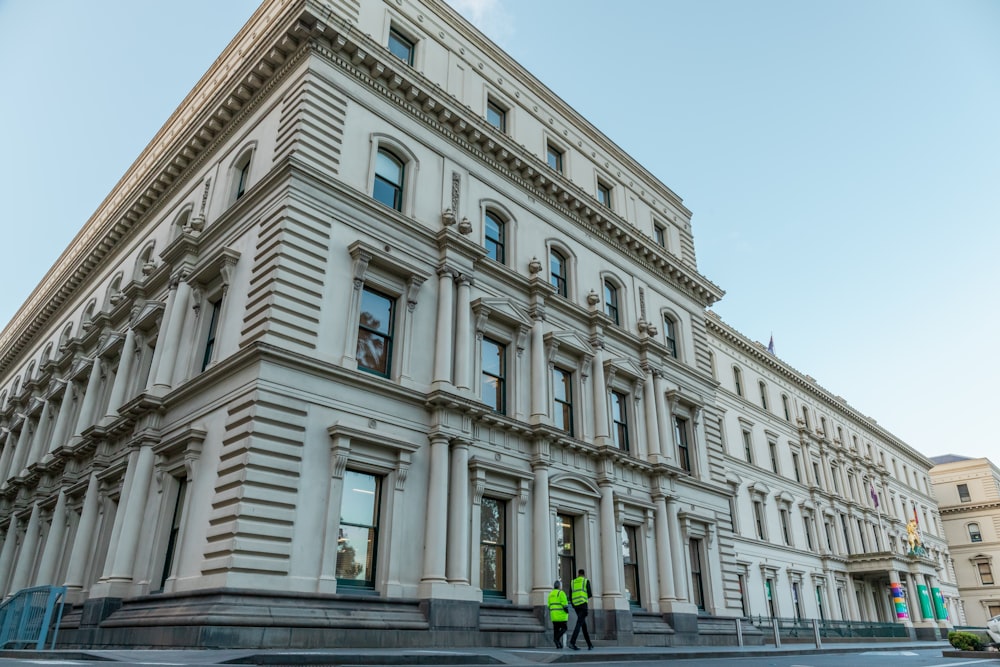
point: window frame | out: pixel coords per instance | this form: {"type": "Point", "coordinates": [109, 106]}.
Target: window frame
{"type": "Point", "coordinates": [738, 380]}
{"type": "Point", "coordinates": [670, 335]}
{"type": "Point", "coordinates": [560, 281]}
{"type": "Point", "coordinates": [611, 301]}
{"type": "Point", "coordinates": [555, 157]}
{"type": "Point", "coordinates": [974, 535]}
{"type": "Point", "coordinates": [660, 234]}
{"type": "Point", "coordinates": [620, 422]}
{"type": "Point", "coordinates": [683, 443]}
{"type": "Point", "coordinates": [404, 39]}
{"type": "Point", "coordinates": [565, 404]}
{"type": "Point", "coordinates": [963, 493]}
{"type": "Point", "coordinates": [500, 546]}
{"type": "Point", "coordinates": [501, 111]}
{"type": "Point", "coordinates": [603, 194]}
{"type": "Point", "coordinates": [398, 189]}
{"type": "Point", "coordinates": [374, 529]}
{"type": "Point", "coordinates": [631, 564]}
{"type": "Point", "coordinates": [501, 379]}
{"type": "Point", "coordinates": [390, 336]}
{"type": "Point", "coordinates": [499, 244]}
{"type": "Point", "coordinates": [240, 170]}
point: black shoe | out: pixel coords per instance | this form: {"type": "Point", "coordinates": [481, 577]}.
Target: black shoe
{"type": "Point", "coordinates": [574, 647]}
{"type": "Point", "coordinates": [590, 647]}
{"type": "Point", "coordinates": [558, 645]}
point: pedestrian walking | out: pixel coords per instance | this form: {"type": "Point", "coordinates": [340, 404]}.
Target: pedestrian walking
{"type": "Point", "coordinates": [558, 612]}
{"type": "Point", "coordinates": [581, 594]}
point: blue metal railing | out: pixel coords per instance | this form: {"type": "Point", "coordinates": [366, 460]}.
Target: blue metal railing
{"type": "Point", "coordinates": [27, 617]}
{"type": "Point", "coordinates": [793, 628]}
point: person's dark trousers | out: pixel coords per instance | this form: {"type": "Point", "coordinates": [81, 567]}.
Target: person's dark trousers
{"type": "Point", "coordinates": [559, 629]}
{"type": "Point", "coordinates": [581, 623]}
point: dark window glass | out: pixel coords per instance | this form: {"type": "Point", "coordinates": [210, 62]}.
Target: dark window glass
{"type": "Point", "coordinates": [388, 187]}
{"type": "Point", "coordinates": [670, 336]}
{"type": "Point", "coordinates": [763, 395]}
{"type": "Point", "coordinates": [557, 273]}
{"type": "Point", "coordinates": [401, 47]}
{"type": "Point", "coordinates": [175, 528]}
{"type": "Point", "coordinates": [985, 573]}
{"type": "Point", "coordinates": [242, 177]}
{"type": "Point", "coordinates": [375, 329]}
{"type": "Point", "coordinates": [554, 157]}
{"type": "Point", "coordinates": [974, 534]}
{"type": "Point", "coordinates": [494, 379]}
{"type": "Point", "coordinates": [619, 417]}
{"type": "Point", "coordinates": [604, 195]}
{"type": "Point", "coordinates": [784, 405]}
{"type": "Point", "coordinates": [496, 116]}
{"type": "Point", "coordinates": [807, 525]}
{"type": "Point", "coordinates": [496, 246]}
{"type": "Point", "coordinates": [963, 493]}
{"type": "Point", "coordinates": [758, 517]}
{"type": "Point", "coordinates": [697, 585]}
{"type": "Point", "coordinates": [611, 301]}
{"type": "Point", "coordinates": [213, 326]}
{"type": "Point", "coordinates": [681, 435]}
{"type": "Point", "coordinates": [738, 381]}
{"type": "Point", "coordinates": [772, 449]}
{"type": "Point", "coordinates": [357, 538]}
{"type": "Point", "coordinates": [747, 447]}
{"type": "Point", "coordinates": [566, 548]}
{"type": "Point", "coordinates": [562, 391]}
{"type": "Point", "coordinates": [492, 546]}
{"type": "Point", "coordinates": [660, 236]}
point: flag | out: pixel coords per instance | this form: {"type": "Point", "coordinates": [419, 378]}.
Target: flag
{"type": "Point", "coordinates": [871, 490]}
{"type": "Point", "coordinates": [770, 346]}
{"type": "Point", "coordinates": [915, 519]}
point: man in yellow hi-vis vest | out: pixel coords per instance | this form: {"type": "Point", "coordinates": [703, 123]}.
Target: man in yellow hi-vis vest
{"type": "Point", "coordinates": [581, 593]}
{"type": "Point", "coordinates": [559, 612]}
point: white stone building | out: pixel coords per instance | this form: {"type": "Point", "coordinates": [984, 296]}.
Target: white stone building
{"type": "Point", "coordinates": [968, 493]}
{"type": "Point", "coordinates": [379, 334]}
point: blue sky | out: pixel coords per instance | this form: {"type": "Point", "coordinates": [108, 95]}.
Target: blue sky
{"type": "Point", "coordinates": [841, 158]}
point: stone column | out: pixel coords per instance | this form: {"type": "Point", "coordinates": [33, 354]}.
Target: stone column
{"type": "Point", "coordinates": [677, 550]}
{"type": "Point", "coordinates": [436, 519]}
{"type": "Point", "coordinates": [26, 559]}
{"type": "Point", "coordinates": [134, 506]}
{"type": "Point", "coordinates": [123, 376]}
{"type": "Point", "coordinates": [21, 451]}
{"type": "Point", "coordinates": [164, 371]}
{"type": "Point", "coordinates": [445, 315]}
{"type": "Point", "coordinates": [463, 333]}
{"type": "Point", "coordinates": [539, 377]}
{"type": "Point", "coordinates": [664, 423]}
{"type": "Point", "coordinates": [610, 546]}
{"type": "Point", "coordinates": [53, 544]}
{"type": "Point", "coordinates": [86, 417]}
{"type": "Point", "coordinates": [37, 441]}
{"type": "Point", "coordinates": [662, 536]}
{"type": "Point", "coordinates": [542, 533]}
{"type": "Point", "coordinates": [7, 553]}
{"type": "Point", "coordinates": [58, 438]}
{"type": "Point", "coordinates": [458, 514]}
{"type": "Point", "coordinates": [602, 434]}
{"type": "Point", "coordinates": [84, 542]}
{"type": "Point", "coordinates": [652, 426]}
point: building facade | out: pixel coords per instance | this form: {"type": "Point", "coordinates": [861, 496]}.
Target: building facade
{"type": "Point", "coordinates": [379, 334]}
{"type": "Point", "coordinates": [968, 493]}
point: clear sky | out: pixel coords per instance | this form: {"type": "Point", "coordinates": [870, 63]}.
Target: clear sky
{"type": "Point", "coordinates": [841, 158]}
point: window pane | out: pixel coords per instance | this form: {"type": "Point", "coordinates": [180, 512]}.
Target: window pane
{"type": "Point", "coordinates": [494, 238]}
{"type": "Point", "coordinates": [496, 116]}
{"type": "Point", "coordinates": [375, 323]}
{"type": "Point", "coordinates": [389, 168]}
{"type": "Point", "coordinates": [355, 553]}
{"type": "Point", "coordinates": [360, 493]}
{"type": "Point", "coordinates": [493, 375]}
{"type": "Point", "coordinates": [554, 158]}
{"type": "Point", "coordinates": [401, 47]}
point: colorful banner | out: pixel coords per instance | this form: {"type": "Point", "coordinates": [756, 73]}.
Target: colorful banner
{"type": "Point", "coordinates": [940, 610]}
{"type": "Point", "coordinates": [925, 602]}
{"type": "Point", "coordinates": [899, 600]}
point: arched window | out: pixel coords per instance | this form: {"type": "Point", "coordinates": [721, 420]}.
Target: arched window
{"type": "Point", "coordinates": [495, 232]}
{"type": "Point", "coordinates": [241, 174]}
{"type": "Point", "coordinates": [611, 301]}
{"type": "Point", "coordinates": [670, 335]}
{"type": "Point", "coordinates": [46, 355]}
{"type": "Point", "coordinates": [738, 380]}
{"type": "Point", "coordinates": [763, 394]}
{"type": "Point", "coordinates": [784, 406]}
{"type": "Point", "coordinates": [558, 273]}
{"type": "Point", "coordinates": [389, 173]}
{"type": "Point", "coordinates": [805, 415]}
{"type": "Point", "coordinates": [974, 534]}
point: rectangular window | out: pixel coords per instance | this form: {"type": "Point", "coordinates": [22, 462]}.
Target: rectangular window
{"type": "Point", "coordinates": [829, 536]}
{"type": "Point", "coordinates": [630, 559]}
{"type": "Point", "coordinates": [974, 533]}
{"type": "Point", "coordinates": [795, 468]}
{"type": "Point", "coordinates": [744, 602]}
{"type": "Point", "coordinates": [670, 336]}
{"type": "Point", "coordinates": [175, 527]}
{"type": "Point", "coordinates": [807, 528]}
{"type": "Point", "coordinates": [786, 533]}
{"type": "Point", "coordinates": [357, 537]}
{"type": "Point", "coordinates": [985, 573]}
{"type": "Point", "coordinates": [213, 327]}
{"type": "Point", "coordinates": [495, 232]}
{"type": "Point", "coordinates": [492, 547]}
{"type": "Point", "coordinates": [697, 583]}
{"type": "Point", "coordinates": [496, 115]}
{"type": "Point", "coordinates": [796, 601]}
{"type": "Point", "coordinates": [401, 46]}
{"type": "Point", "coordinates": [619, 418]}
{"type": "Point", "coordinates": [820, 604]}
{"type": "Point", "coordinates": [784, 406]}
{"type": "Point", "coordinates": [375, 327]}
{"type": "Point", "coordinates": [611, 301]}
{"type": "Point", "coordinates": [846, 532]}
{"type": "Point", "coordinates": [861, 536]}
{"type": "Point", "coordinates": [554, 157]}
{"type": "Point", "coordinates": [758, 517]}
{"type": "Point", "coordinates": [604, 194]}
{"type": "Point", "coordinates": [494, 377]}
{"type": "Point", "coordinates": [963, 493]}
{"type": "Point", "coordinates": [769, 592]}
{"type": "Point", "coordinates": [772, 450]}
{"type": "Point", "coordinates": [683, 450]}
{"type": "Point", "coordinates": [763, 394]}
{"type": "Point", "coordinates": [747, 447]}
{"type": "Point", "coordinates": [562, 394]}
{"type": "Point", "coordinates": [660, 235]}
{"type": "Point", "coordinates": [566, 547]}
{"type": "Point", "coordinates": [242, 178]}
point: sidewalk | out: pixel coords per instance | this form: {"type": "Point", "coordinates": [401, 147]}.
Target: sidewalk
{"type": "Point", "coordinates": [466, 656]}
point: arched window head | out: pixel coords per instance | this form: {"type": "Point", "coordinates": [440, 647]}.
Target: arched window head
{"type": "Point", "coordinates": [495, 237]}
{"type": "Point", "coordinates": [611, 302]}
{"type": "Point", "coordinates": [389, 173]}
{"type": "Point", "coordinates": [30, 372]}
{"type": "Point", "coordinates": [974, 534]}
{"type": "Point", "coordinates": [46, 354]}
{"type": "Point", "coordinates": [558, 271]}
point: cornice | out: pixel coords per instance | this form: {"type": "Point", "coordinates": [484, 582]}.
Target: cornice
{"type": "Point", "coordinates": [715, 325]}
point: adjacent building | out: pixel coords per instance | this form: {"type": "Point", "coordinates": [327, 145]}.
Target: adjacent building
{"type": "Point", "coordinates": [378, 337]}
{"type": "Point", "coordinates": [968, 494]}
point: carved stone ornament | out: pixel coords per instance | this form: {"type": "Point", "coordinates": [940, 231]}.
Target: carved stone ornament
{"type": "Point", "coordinates": [465, 227]}
{"type": "Point", "coordinates": [448, 217]}
{"type": "Point", "coordinates": [593, 298]}
{"type": "Point", "coordinates": [534, 266]}
{"type": "Point", "coordinates": [148, 268]}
